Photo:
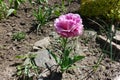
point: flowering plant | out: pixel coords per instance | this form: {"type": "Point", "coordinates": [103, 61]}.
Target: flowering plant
{"type": "Point", "coordinates": [68, 25]}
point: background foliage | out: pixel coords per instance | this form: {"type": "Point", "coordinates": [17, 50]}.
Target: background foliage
{"type": "Point", "coordinates": [109, 9]}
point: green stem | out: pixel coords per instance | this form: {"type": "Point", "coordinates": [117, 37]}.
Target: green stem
{"type": "Point", "coordinates": [63, 5]}
{"type": "Point", "coordinates": [64, 43]}
{"type": "Point", "coordinates": [98, 62]}
{"type": "Point", "coordinates": [63, 55]}
{"type": "Point", "coordinates": [111, 46]}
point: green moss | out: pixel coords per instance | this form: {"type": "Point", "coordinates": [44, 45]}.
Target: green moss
{"type": "Point", "coordinates": [107, 8]}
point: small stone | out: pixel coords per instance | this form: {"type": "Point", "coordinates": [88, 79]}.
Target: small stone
{"type": "Point", "coordinates": [117, 37]}
{"type": "Point", "coordinates": [85, 49]}
{"type": "Point", "coordinates": [50, 25]}
{"type": "Point", "coordinates": [35, 48]}
{"type": "Point", "coordinates": [9, 34]}
{"type": "Point", "coordinates": [45, 73]}
{"type": "Point", "coordinates": [29, 15]}
{"type": "Point", "coordinates": [43, 59]}
{"type": "Point", "coordinates": [117, 78]}
{"type": "Point", "coordinates": [42, 44]}
{"type": "Point", "coordinates": [22, 23]}
{"type": "Point", "coordinates": [54, 35]}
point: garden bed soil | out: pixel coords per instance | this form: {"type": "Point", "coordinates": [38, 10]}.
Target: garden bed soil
{"type": "Point", "coordinates": [24, 21]}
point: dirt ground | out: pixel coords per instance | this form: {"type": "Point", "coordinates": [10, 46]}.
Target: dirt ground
{"type": "Point", "coordinates": [24, 21]}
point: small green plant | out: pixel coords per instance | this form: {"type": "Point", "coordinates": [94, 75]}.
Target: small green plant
{"type": "Point", "coordinates": [42, 15]}
{"type": "Point", "coordinates": [69, 1]}
{"type": "Point", "coordinates": [3, 9]}
{"type": "Point", "coordinates": [25, 70]}
{"type": "Point", "coordinates": [56, 10]}
{"type": "Point", "coordinates": [42, 1]}
{"type": "Point", "coordinates": [18, 36]}
{"type": "Point", "coordinates": [63, 6]}
{"type": "Point", "coordinates": [16, 3]}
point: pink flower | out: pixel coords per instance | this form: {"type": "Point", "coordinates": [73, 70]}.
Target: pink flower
{"type": "Point", "coordinates": [69, 25]}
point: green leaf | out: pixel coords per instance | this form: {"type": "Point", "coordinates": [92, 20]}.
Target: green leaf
{"type": "Point", "coordinates": [32, 56]}
{"type": "Point", "coordinates": [10, 11]}
{"type": "Point", "coordinates": [19, 73]}
{"type": "Point", "coordinates": [19, 67]}
{"type": "Point", "coordinates": [30, 1]}
{"type": "Point", "coordinates": [67, 52]}
{"type": "Point", "coordinates": [65, 64]}
{"type": "Point", "coordinates": [11, 2]}
{"type": "Point", "coordinates": [26, 71]}
{"type": "Point", "coordinates": [20, 57]}
{"type": "Point", "coordinates": [54, 56]}
{"type": "Point", "coordinates": [57, 12]}
{"type": "Point", "coordinates": [77, 58]}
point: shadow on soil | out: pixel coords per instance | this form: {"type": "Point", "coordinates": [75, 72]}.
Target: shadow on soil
{"type": "Point", "coordinates": [106, 50]}
{"type": "Point", "coordinates": [54, 76]}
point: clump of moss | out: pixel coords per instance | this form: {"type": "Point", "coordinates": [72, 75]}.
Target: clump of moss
{"type": "Point", "coordinates": [109, 9]}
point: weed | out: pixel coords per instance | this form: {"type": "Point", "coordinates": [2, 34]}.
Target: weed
{"type": "Point", "coordinates": [18, 36]}
{"type": "Point", "coordinates": [42, 1]}
{"type": "Point", "coordinates": [16, 3]}
{"type": "Point", "coordinates": [57, 10]}
{"type": "Point", "coordinates": [3, 9]}
{"type": "Point", "coordinates": [26, 71]}
{"type": "Point", "coordinates": [42, 15]}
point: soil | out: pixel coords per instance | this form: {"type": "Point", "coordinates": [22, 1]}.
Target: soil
{"type": "Point", "coordinates": [24, 21]}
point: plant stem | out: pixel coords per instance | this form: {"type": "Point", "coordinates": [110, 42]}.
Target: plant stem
{"type": "Point", "coordinates": [111, 48]}
{"type": "Point", "coordinates": [64, 43]}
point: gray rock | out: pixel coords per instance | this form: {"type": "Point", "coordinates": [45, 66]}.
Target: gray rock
{"type": "Point", "coordinates": [117, 78]}
{"type": "Point", "coordinates": [117, 37]}
{"type": "Point", "coordinates": [44, 74]}
{"type": "Point", "coordinates": [54, 35]}
{"type": "Point", "coordinates": [41, 44]}
{"type": "Point", "coordinates": [43, 57]}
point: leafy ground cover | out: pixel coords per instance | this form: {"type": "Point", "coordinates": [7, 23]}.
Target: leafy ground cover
{"type": "Point", "coordinates": [24, 22]}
